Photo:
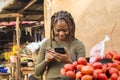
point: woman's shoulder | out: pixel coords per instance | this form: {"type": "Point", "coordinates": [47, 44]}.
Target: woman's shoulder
{"type": "Point", "coordinates": [77, 42]}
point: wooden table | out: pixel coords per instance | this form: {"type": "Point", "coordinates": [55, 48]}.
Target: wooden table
{"type": "Point", "coordinates": [26, 71]}
{"type": "Point", "coordinates": [4, 76]}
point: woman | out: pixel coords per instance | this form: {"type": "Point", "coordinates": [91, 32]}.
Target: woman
{"type": "Point", "coordinates": [62, 35]}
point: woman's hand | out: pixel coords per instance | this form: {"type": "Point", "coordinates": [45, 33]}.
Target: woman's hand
{"type": "Point", "coordinates": [63, 57]}
{"type": "Point", "coordinates": [50, 56]}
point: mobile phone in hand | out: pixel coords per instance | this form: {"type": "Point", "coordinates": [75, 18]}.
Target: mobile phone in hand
{"type": "Point", "coordinates": [59, 50]}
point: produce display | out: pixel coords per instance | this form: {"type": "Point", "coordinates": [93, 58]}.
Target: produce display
{"type": "Point", "coordinates": [82, 69]}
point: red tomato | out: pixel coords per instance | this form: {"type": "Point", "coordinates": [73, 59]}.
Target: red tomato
{"type": "Point", "coordinates": [62, 71]}
{"type": "Point", "coordinates": [86, 77]}
{"type": "Point", "coordinates": [71, 74]}
{"type": "Point", "coordinates": [68, 67]}
{"type": "Point", "coordinates": [116, 57]}
{"type": "Point", "coordinates": [102, 76]}
{"type": "Point", "coordinates": [116, 61]}
{"type": "Point", "coordinates": [109, 53]}
{"type": "Point", "coordinates": [79, 67]}
{"type": "Point", "coordinates": [119, 72]}
{"type": "Point", "coordinates": [97, 71]}
{"type": "Point", "coordinates": [118, 78]}
{"type": "Point", "coordinates": [114, 76]}
{"type": "Point", "coordinates": [82, 60]}
{"type": "Point", "coordinates": [97, 65]}
{"type": "Point", "coordinates": [75, 64]}
{"type": "Point", "coordinates": [95, 76]}
{"type": "Point", "coordinates": [115, 65]}
{"type": "Point", "coordinates": [79, 75]}
{"type": "Point", "coordinates": [104, 69]}
{"type": "Point", "coordinates": [109, 64]}
{"type": "Point", "coordinates": [87, 70]}
{"type": "Point", "coordinates": [98, 58]}
{"type": "Point", "coordinates": [108, 56]}
{"type": "Point", "coordinates": [113, 70]}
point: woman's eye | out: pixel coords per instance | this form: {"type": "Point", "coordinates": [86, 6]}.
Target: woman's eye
{"type": "Point", "coordinates": [65, 30]}
{"type": "Point", "coordinates": [58, 30]}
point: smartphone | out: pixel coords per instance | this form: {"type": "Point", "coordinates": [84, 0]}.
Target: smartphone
{"type": "Point", "coordinates": [59, 50]}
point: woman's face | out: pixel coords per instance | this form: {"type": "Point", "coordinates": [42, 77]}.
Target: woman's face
{"type": "Point", "coordinates": [61, 30]}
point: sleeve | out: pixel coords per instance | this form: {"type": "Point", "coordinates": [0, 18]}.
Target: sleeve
{"type": "Point", "coordinates": [40, 65]}
{"type": "Point", "coordinates": [80, 50]}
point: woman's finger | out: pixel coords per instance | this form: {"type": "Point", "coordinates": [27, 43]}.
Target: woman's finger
{"type": "Point", "coordinates": [49, 52]}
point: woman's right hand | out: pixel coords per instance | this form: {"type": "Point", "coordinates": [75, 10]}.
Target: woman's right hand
{"type": "Point", "coordinates": [63, 57]}
{"type": "Point", "coordinates": [50, 55]}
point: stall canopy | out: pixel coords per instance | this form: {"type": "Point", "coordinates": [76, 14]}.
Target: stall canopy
{"type": "Point", "coordinates": [29, 10]}
{"type": "Point", "coordinates": [19, 11]}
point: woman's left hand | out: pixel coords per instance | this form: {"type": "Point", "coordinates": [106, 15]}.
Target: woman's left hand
{"type": "Point", "coordinates": [63, 57]}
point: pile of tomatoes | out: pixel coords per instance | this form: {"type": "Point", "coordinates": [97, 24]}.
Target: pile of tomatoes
{"type": "Point", "coordinates": [83, 70]}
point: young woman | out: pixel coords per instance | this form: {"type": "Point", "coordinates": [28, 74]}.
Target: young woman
{"type": "Point", "coordinates": [62, 35]}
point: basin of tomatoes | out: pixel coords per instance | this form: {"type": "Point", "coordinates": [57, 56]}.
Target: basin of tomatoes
{"type": "Point", "coordinates": [83, 70]}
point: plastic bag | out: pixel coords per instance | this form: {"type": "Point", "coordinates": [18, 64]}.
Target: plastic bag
{"type": "Point", "coordinates": [97, 52]}
{"type": "Point", "coordinates": [35, 45]}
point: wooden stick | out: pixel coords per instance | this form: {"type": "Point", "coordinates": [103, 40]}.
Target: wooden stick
{"type": "Point", "coordinates": [18, 67]}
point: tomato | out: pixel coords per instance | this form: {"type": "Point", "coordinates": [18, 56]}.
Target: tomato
{"type": "Point", "coordinates": [86, 77]}
{"type": "Point", "coordinates": [62, 71]}
{"type": "Point", "coordinates": [82, 60]}
{"type": "Point", "coordinates": [115, 65]}
{"type": "Point", "coordinates": [104, 69]}
{"type": "Point", "coordinates": [113, 70]}
{"type": "Point", "coordinates": [98, 58]}
{"type": "Point", "coordinates": [116, 57]}
{"type": "Point", "coordinates": [98, 71]}
{"type": "Point", "coordinates": [79, 75]}
{"type": "Point", "coordinates": [109, 53]}
{"type": "Point", "coordinates": [69, 67]}
{"type": "Point", "coordinates": [119, 73]}
{"type": "Point", "coordinates": [75, 64]}
{"type": "Point", "coordinates": [116, 61]}
{"type": "Point", "coordinates": [114, 76]}
{"type": "Point", "coordinates": [97, 65]}
{"type": "Point", "coordinates": [109, 64]}
{"type": "Point", "coordinates": [79, 67]}
{"type": "Point", "coordinates": [71, 74]}
{"type": "Point", "coordinates": [102, 76]}
{"type": "Point", "coordinates": [95, 76]}
{"type": "Point", "coordinates": [87, 70]}
{"type": "Point", "coordinates": [108, 56]}
{"type": "Point", "coordinates": [118, 78]}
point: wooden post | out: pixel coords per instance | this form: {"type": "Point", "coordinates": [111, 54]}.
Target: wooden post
{"type": "Point", "coordinates": [18, 67]}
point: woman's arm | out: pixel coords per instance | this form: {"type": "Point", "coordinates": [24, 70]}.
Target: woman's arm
{"type": "Point", "coordinates": [80, 50]}
{"type": "Point", "coordinates": [41, 64]}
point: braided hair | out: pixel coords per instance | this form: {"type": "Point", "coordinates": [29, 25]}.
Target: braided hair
{"type": "Point", "coordinates": [67, 17]}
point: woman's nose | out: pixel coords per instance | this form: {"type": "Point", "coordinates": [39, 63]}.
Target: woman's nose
{"type": "Point", "coordinates": [61, 32]}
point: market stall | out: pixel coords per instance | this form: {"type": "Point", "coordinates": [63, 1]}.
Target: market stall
{"type": "Point", "coordinates": [31, 11]}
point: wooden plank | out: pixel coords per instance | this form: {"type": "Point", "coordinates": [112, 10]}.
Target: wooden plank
{"type": "Point", "coordinates": [28, 5]}
{"type": "Point", "coordinates": [10, 15]}
{"type": "Point", "coordinates": [4, 75]}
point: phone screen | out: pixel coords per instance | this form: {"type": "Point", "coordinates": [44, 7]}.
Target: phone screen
{"type": "Point", "coordinates": [60, 50]}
